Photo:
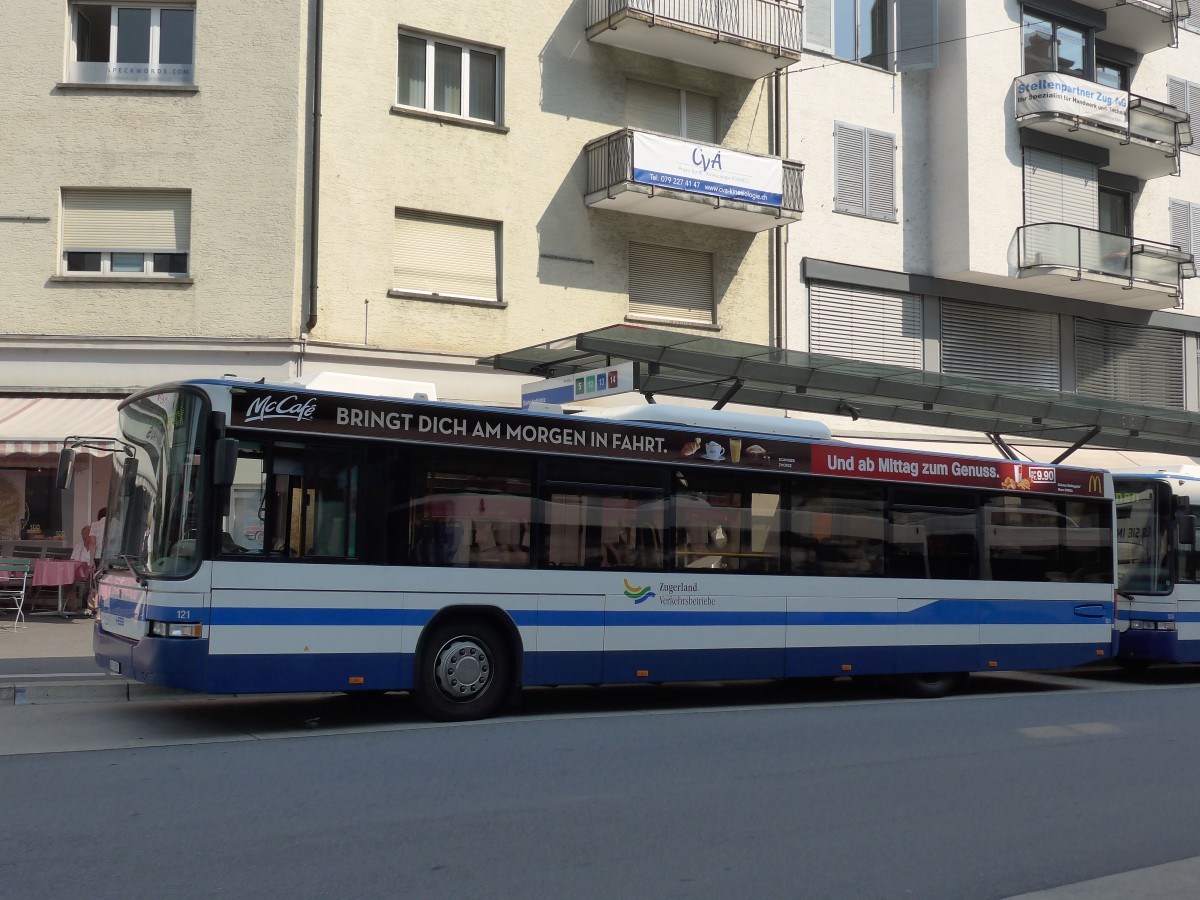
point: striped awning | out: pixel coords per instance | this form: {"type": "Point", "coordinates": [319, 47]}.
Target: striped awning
{"type": "Point", "coordinates": [36, 426]}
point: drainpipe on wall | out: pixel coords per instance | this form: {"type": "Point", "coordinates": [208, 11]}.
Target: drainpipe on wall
{"type": "Point", "coordinates": [779, 273]}
{"type": "Point", "coordinates": [314, 174]}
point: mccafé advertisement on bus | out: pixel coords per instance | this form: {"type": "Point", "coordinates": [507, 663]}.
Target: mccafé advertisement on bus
{"type": "Point", "coordinates": [429, 423]}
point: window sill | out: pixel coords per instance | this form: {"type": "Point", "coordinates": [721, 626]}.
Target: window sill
{"type": "Point", "coordinates": [136, 88]}
{"type": "Point", "coordinates": [443, 119]}
{"type": "Point", "coordinates": [144, 280]}
{"type": "Point", "coordinates": [846, 212]}
{"type": "Point", "coordinates": [674, 323]}
{"type": "Point", "coordinates": [440, 298]}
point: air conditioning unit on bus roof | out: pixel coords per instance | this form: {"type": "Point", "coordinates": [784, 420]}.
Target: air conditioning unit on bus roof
{"type": "Point", "coordinates": [718, 419]}
{"type": "Point", "coordinates": [369, 386]}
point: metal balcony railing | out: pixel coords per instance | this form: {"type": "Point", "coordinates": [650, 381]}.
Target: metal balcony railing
{"type": "Point", "coordinates": [772, 23]}
{"type": "Point", "coordinates": [610, 162]}
{"type": "Point", "coordinates": [1089, 251]}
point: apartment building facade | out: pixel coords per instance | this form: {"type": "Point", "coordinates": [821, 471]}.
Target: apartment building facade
{"type": "Point", "coordinates": [284, 188]}
{"type": "Point", "coordinates": [1019, 205]}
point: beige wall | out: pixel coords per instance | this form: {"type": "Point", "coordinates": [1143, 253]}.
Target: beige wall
{"type": "Point", "coordinates": [236, 143]}
{"type": "Point", "coordinates": [560, 92]}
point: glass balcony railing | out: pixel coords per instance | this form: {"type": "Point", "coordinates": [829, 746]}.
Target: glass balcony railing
{"type": "Point", "coordinates": [1143, 136]}
{"type": "Point", "coordinates": [743, 37]}
{"type": "Point", "coordinates": [1093, 253]}
{"type": "Point", "coordinates": [159, 74]}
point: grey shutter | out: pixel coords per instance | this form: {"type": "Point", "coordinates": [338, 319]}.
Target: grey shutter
{"type": "Point", "coordinates": [1185, 96]}
{"type": "Point", "coordinates": [1129, 362]}
{"type": "Point", "coordinates": [1015, 346]}
{"type": "Point", "coordinates": [701, 117]}
{"type": "Point", "coordinates": [1192, 22]}
{"type": "Point", "coordinates": [132, 220]}
{"type": "Point", "coordinates": [441, 255]}
{"type": "Point", "coordinates": [818, 26]}
{"type": "Point", "coordinates": [869, 325]}
{"type": "Point", "coordinates": [881, 175]}
{"type": "Point", "coordinates": [671, 282]}
{"type": "Point", "coordinates": [916, 35]}
{"type": "Point", "coordinates": [1060, 189]}
{"type": "Point", "coordinates": [850, 156]}
{"type": "Point", "coordinates": [652, 107]}
{"type": "Point", "coordinates": [1185, 226]}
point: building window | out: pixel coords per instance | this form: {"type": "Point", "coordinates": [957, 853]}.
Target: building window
{"type": "Point", "coordinates": [1114, 212]}
{"type": "Point", "coordinates": [1185, 227]}
{"type": "Point", "coordinates": [1185, 95]}
{"type": "Point", "coordinates": [859, 323]}
{"type": "Point", "coordinates": [126, 232]}
{"type": "Point", "coordinates": [865, 162]}
{"type": "Point", "coordinates": [994, 343]}
{"type": "Point", "coordinates": [671, 283]}
{"type": "Point", "coordinates": [447, 257]}
{"type": "Point", "coordinates": [652, 107]}
{"type": "Point", "coordinates": [148, 45]}
{"type": "Point", "coordinates": [858, 30]}
{"type": "Point", "coordinates": [1112, 74]}
{"type": "Point", "coordinates": [446, 77]}
{"type": "Point", "coordinates": [1055, 46]}
{"type": "Point", "coordinates": [1192, 22]}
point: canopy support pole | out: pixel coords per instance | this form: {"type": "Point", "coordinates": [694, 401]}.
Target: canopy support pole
{"type": "Point", "coordinates": [1079, 443]}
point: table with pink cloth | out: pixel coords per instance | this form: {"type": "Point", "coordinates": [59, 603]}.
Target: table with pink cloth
{"type": "Point", "coordinates": [59, 573]}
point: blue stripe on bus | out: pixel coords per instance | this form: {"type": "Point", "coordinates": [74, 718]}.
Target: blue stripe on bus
{"type": "Point", "coordinates": [940, 612]}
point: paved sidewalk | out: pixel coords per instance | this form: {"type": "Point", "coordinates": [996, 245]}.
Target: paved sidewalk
{"type": "Point", "coordinates": [50, 661]}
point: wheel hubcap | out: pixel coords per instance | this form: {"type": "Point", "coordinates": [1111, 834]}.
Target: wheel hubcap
{"type": "Point", "coordinates": [462, 669]}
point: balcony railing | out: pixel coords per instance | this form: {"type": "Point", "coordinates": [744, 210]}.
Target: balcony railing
{"type": "Point", "coordinates": [1143, 136]}
{"type": "Point", "coordinates": [155, 74]}
{"type": "Point", "coordinates": [743, 37]}
{"type": "Point", "coordinates": [657, 175]}
{"type": "Point", "coordinates": [1049, 248]}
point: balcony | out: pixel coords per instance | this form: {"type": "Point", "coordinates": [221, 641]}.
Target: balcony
{"type": "Point", "coordinates": [750, 38]}
{"type": "Point", "coordinates": [1086, 264]}
{"type": "Point", "coordinates": [650, 174]}
{"type": "Point", "coordinates": [1141, 25]}
{"type": "Point", "coordinates": [1142, 136]}
{"type": "Point", "coordinates": [141, 74]}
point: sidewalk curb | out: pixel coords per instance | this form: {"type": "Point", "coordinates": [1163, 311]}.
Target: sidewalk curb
{"type": "Point", "coordinates": [49, 692]}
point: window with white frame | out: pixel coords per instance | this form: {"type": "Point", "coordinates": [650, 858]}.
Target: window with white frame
{"type": "Point", "coordinates": [687, 114]}
{"type": "Point", "coordinates": [671, 283]}
{"type": "Point", "coordinates": [1185, 227]}
{"type": "Point", "coordinates": [865, 178]}
{"type": "Point", "coordinates": [133, 44]}
{"type": "Point", "coordinates": [1185, 95]}
{"type": "Point", "coordinates": [126, 233]}
{"type": "Point", "coordinates": [445, 257]}
{"type": "Point", "coordinates": [444, 76]}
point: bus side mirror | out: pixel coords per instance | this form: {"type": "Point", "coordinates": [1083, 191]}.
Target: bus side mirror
{"type": "Point", "coordinates": [66, 468]}
{"type": "Point", "coordinates": [225, 462]}
{"type": "Point", "coordinates": [1185, 529]}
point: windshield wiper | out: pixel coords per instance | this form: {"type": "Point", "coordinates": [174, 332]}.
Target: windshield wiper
{"type": "Point", "coordinates": [129, 559]}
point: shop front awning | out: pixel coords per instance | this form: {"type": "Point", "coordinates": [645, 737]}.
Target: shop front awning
{"type": "Point", "coordinates": [36, 426]}
{"type": "Point", "coordinates": [723, 371]}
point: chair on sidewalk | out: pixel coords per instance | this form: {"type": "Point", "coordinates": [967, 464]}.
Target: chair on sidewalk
{"type": "Point", "coordinates": [15, 575]}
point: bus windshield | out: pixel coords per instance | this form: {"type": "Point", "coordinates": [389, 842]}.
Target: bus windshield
{"type": "Point", "coordinates": [153, 524]}
{"type": "Point", "coordinates": [1143, 553]}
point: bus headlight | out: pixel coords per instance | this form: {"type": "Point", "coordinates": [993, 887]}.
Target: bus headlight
{"type": "Point", "coordinates": [1150, 625]}
{"type": "Point", "coordinates": [175, 629]}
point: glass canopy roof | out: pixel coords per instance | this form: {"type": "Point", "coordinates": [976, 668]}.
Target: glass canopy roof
{"type": "Point", "coordinates": [707, 368]}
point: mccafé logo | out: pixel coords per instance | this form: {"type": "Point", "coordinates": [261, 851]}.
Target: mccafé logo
{"type": "Point", "coordinates": [288, 407]}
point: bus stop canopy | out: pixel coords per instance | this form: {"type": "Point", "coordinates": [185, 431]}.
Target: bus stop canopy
{"type": "Point", "coordinates": [723, 371]}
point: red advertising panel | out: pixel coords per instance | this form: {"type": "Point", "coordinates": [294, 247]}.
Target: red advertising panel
{"type": "Point", "coordinates": [954, 471]}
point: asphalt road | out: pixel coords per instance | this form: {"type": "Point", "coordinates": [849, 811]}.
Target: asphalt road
{"type": "Point", "coordinates": [1023, 784]}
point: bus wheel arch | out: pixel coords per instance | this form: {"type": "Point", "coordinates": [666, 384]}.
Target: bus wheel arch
{"type": "Point", "coordinates": [467, 663]}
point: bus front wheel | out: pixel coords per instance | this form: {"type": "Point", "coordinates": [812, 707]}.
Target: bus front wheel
{"type": "Point", "coordinates": [931, 684]}
{"type": "Point", "coordinates": [463, 671]}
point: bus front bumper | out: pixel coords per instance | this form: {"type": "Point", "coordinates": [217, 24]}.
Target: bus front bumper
{"type": "Point", "coordinates": [170, 662]}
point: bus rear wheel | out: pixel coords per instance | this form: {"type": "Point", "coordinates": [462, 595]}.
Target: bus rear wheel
{"type": "Point", "coordinates": [931, 684]}
{"type": "Point", "coordinates": [463, 671]}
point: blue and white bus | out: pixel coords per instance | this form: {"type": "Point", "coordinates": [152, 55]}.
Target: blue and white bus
{"type": "Point", "coordinates": [1157, 566]}
{"type": "Point", "coordinates": [281, 538]}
